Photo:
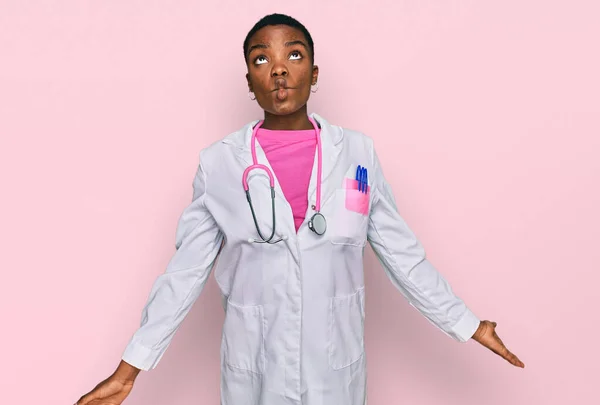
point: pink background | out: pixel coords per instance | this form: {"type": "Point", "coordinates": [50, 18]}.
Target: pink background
{"type": "Point", "coordinates": [486, 118]}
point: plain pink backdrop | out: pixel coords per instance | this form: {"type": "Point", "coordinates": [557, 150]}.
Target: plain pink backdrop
{"type": "Point", "coordinates": [485, 115]}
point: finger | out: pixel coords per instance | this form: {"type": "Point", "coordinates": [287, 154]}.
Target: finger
{"type": "Point", "coordinates": [501, 349]}
{"type": "Point", "coordinates": [496, 345]}
{"type": "Point", "coordinates": [497, 348]}
{"type": "Point", "coordinates": [514, 360]}
{"type": "Point", "coordinates": [117, 398]}
{"type": "Point", "coordinates": [87, 398]}
{"type": "Point", "coordinates": [510, 357]}
{"type": "Point", "coordinates": [495, 335]}
{"type": "Point", "coordinates": [498, 339]}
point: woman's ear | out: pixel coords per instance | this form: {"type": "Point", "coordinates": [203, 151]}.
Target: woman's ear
{"type": "Point", "coordinates": [315, 75]}
{"type": "Point", "coordinates": [249, 82]}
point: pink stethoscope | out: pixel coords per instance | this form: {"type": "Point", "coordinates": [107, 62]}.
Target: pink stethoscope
{"type": "Point", "coordinates": [317, 222]}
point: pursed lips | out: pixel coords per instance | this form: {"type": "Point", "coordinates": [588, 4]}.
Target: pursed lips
{"type": "Point", "coordinates": [281, 84]}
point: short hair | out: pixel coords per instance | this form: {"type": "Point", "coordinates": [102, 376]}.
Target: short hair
{"type": "Point", "coordinates": [279, 19]}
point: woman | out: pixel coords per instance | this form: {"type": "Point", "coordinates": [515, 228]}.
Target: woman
{"type": "Point", "coordinates": [289, 202]}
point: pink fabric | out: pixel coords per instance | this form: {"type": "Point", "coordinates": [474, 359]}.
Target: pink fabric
{"type": "Point", "coordinates": [291, 154]}
{"type": "Point", "coordinates": [356, 200]}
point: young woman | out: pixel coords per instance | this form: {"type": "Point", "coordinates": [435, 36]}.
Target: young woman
{"type": "Point", "coordinates": [289, 203]}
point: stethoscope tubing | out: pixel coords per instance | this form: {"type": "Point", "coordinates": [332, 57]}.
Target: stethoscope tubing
{"type": "Point", "coordinates": [256, 165]}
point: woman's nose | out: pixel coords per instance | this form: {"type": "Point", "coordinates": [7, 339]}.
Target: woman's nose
{"type": "Point", "coordinates": [279, 70]}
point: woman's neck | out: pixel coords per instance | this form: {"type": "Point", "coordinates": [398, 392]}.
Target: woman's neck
{"type": "Point", "coordinates": [294, 121]}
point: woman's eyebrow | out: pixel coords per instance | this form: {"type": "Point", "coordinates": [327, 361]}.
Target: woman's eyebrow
{"type": "Point", "coordinates": [297, 42]}
{"type": "Point", "coordinates": [287, 44]}
{"type": "Point", "coordinates": [257, 46]}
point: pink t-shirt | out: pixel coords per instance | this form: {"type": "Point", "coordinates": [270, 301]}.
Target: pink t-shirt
{"type": "Point", "coordinates": [291, 155]}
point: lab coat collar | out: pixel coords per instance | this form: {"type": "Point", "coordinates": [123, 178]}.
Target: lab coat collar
{"type": "Point", "coordinates": [331, 135]}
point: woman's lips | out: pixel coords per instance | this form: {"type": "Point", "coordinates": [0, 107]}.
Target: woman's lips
{"type": "Point", "coordinates": [282, 94]}
{"type": "Point", "coordinates": [281, 89]}
{"type": "Point", "coordinates": [280, 82]}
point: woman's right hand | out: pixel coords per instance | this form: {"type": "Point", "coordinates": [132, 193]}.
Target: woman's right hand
{"type": "Point", "coordinates": [114, 389]}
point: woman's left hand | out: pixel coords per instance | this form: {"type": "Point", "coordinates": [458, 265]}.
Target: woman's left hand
{"type": "Point", "coordinates": [486, 335]}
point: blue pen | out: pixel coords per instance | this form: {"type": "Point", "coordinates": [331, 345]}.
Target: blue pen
{"type": "Point", "coordinates": [362, 179]}
{"type": "Point", "coordinates": [366, 182]}
{"type": "Point", "coordinates": [358, 174]}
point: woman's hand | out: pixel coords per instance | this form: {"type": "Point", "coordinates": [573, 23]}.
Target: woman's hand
{"type": "Point", "coordinates": [109, 392]}
{"type": "Point", "coordinates": [486, 335]}
{"type": "Point", "coordinates": [114, 389]}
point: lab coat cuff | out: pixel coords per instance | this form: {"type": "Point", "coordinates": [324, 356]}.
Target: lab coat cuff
{"type": "Point", "coordinates": [140, 356]}
{"type": "Point", "coordinates": [466, 326]}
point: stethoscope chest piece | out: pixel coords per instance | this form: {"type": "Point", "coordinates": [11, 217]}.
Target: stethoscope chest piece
{"type": "Point", "coordinates": [317, 224]}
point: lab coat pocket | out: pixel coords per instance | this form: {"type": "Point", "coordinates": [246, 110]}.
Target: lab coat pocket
{"type": "Point", "coordinates": [346, 329]}
{"type": "Point", "coordinates": [350, 217]}
{"type": "Point", "coordinates": [356, 200]}
{"type": "Point", "coordinates": [243, 337]}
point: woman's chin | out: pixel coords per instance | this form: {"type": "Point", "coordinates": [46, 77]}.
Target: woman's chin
{"type": "Point", "coordinates": [284, 108]}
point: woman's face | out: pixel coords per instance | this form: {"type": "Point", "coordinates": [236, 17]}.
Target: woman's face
{"type": "Point", "coordinates": [280, 71]}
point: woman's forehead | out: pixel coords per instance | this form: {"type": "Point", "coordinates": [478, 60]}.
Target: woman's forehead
{"type": "Point", "coordinates": [276, 33]}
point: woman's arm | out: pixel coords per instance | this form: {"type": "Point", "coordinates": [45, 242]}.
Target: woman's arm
{"type": "Point", "coordinates": [198, 241]}
{"type": "Point", "coordinates": [404, 261]}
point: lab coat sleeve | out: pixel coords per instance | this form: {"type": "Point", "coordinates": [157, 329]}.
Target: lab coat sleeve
{"type": "Point", "coordinates": [198, 240]}
{"type": "Point", "coordinates": [403, 259]}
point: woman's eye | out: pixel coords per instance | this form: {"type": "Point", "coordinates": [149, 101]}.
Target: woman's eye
{"type": "Point", "coordinates": [299, 56]}
{"type": "Point", "coordinates": [258, 60]}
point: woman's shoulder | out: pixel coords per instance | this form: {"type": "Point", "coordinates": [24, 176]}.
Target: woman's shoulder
{"type": "Point", "coordinates": [357, 138]}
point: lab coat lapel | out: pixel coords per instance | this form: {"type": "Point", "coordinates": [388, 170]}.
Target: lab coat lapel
{"type": "Point", "coordinates": [242, 142]}
{"type": "Point", "coordinates": [258, 180]}
{"type": "Point", "coordinates": [331, 137]}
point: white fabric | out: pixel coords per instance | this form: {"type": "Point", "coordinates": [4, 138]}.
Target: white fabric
{"type": "Point", "coordinates": [294, 320]}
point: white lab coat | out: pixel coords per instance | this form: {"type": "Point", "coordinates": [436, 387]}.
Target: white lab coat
{"type": "Point", "coordinates": [294, 311]}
